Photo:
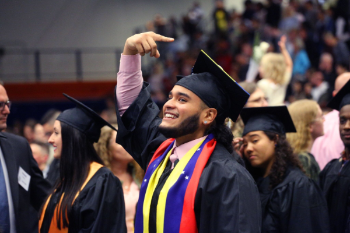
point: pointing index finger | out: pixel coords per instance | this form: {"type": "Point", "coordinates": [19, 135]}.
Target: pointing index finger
{"type": "Point", "coordinates": [161, 38]}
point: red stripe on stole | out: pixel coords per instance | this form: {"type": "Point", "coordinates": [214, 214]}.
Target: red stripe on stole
{"type": "Point", "coordinates": [188, 219]}
{"type": "Point", "coordinates": [161, 150]}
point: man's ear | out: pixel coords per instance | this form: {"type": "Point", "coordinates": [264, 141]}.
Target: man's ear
{"type": "Point", "coordinates": [209, 116]}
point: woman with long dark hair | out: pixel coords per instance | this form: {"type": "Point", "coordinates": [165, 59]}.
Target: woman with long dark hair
{"type": "Point", "coordinates": [87, 197]}
{"type": "Point", "coordinates": [291, 202]}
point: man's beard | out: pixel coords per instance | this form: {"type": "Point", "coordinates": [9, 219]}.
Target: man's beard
{"type": "Point", "coordinates": [188, 126]}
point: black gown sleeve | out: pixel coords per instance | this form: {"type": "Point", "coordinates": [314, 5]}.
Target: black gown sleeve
{"type": "Point", "coordinates": [227, 199]}
{"type": "Point", "coordinates": [324, 177]}
{"type": "Point", "coordinates": [100, 207]}
{"type": "Point", "coordinates": [297, 207]}
{"type": "Point", "coordinates": [138, 128]}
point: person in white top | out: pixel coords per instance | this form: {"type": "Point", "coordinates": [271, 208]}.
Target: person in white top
{"type": "Point", "coordinates": [276, 72]}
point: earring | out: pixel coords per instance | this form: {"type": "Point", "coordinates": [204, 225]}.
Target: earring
{"type": "Point", "coordinates": [205, 122]}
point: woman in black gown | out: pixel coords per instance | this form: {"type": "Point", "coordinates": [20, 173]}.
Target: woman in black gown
{"type": "Point", "coordinates": [291, 202]}
{"type": "Point", "coordinates": [87, 192]}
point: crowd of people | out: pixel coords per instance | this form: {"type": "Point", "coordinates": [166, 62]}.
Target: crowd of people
{"type": "Point", "coordinates": [317, 41]}
{"type": "Point", "coordinates": [251, 134]}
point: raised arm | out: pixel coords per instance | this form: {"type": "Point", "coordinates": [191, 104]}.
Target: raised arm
{"type": "Point", "coordinates": [137, 114]}
{"type": "Point", "coordinates": [287, 58]}
{"type": "Point", "coordinates": [129, 77]}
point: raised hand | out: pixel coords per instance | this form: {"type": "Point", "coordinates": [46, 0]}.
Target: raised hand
{"type": "Point", "coordinates": [237, 145]}
{"type": "Point", "coordinates": [144, 43]}
{"type": "Point", "coordinates": [282, 43]}
{"type": "Point", "coordinates": [286, 56]}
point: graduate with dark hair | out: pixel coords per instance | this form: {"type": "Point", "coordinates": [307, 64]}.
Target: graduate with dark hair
{"type": "Point", "coordinates": [87, 197]}
{"type": "Point", "coordinates": [335, 177]}
{"type": "Point", "coordinates": [290, 201]}
{"type": "Point", "coordinates": [192, 181]}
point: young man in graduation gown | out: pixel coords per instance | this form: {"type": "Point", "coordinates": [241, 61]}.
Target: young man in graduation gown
{"type": "Point", "coordinates": [335, 177]}
{"type": "Point", "coordinates": [192, 182]}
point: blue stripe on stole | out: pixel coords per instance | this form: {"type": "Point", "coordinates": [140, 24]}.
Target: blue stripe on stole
{"type": "Point", "coordinates": [176, 194]}
{"type": "Point", "coordinates": [151, 168]}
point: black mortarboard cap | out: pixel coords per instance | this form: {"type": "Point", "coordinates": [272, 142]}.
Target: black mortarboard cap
{"type": "Point", "coordinates": [273, 119]}
{"type": "Point", "coordinates": [215, 88]}
{"type": "Point", "coordinates": [84, 119]}
{"type": "Point", "coordinates": [342, 98]}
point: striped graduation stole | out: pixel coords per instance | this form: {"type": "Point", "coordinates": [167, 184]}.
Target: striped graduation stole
{"type": "Point", "coordinates": [175, 208]}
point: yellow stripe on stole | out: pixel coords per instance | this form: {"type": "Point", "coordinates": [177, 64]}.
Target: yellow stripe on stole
{"type": "Point", "coordinates": [153, 181]}
{"type": "Point", "coordinates": [174, 176]}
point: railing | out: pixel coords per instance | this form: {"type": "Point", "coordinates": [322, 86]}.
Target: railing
{"type": "Point", "coordinates": [47, 65]}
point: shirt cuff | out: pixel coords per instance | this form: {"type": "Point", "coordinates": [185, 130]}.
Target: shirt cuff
{"type": "Point", "coordinates": [130, 63]}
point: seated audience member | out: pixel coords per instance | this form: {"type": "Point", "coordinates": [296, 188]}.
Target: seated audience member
{"type": "Point", "coordinates": [290, 201]}
{"type": "Point", "coordinates": [335, 177]}
{"type": "Point", "coordinates": [40, 152]}
{"type": "Point", "coordinates": [342, 68]}
{"type": "Point", "coordinates": [48, 120]}
{"type": "Point", "coordinates": [276, 72]}
{"type": "Point", "coordinates": [125, 168]}
{"type": "Point", "coordinates": [308, 119]}
{"type": "Point", "coordinates": [29, 130]}
{"type": "Point", "coordinates": [339, 49]}
{"type": "Point", "coordinates": [326, 67]}
{"type": "Point", "coordinates": [319, 86]}
{"type": "Point", "coordinates": [301, 60]}
{"type": "Point", "coordinates": [39, 133]}
{"type": "Point", "coordinates": [298, 92]}
{"type": "Point", "coordinates": [88, 197]}
{"type": "Point", "coordinates": [329, 146]}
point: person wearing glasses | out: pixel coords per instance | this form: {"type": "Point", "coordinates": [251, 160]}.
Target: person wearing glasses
{"type": "Point", "coordinates": [22, 185]}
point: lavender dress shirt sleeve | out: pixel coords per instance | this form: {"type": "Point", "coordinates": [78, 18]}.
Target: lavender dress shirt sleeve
{"type": "Point", "coordinates": [129, 81]}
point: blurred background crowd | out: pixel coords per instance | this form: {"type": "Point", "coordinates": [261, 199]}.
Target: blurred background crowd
{"type": "Point", "coordinates": [317, 40]}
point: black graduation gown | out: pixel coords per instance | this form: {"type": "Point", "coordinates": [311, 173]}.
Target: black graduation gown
{"type": "Point", "coordinates": [335, 183]}
{"type": "Point", "coordinates": [98, 208]}
{"type": "Point", "coordinates": [295, 205]}
{"type": "Point", "coordinates": [54, 172]}
{"type": "Point", "coordinates": [227, 199]}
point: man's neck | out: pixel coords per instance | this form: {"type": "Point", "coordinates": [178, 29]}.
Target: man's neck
{"type": "Point", "coordinates": [187, 138]}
